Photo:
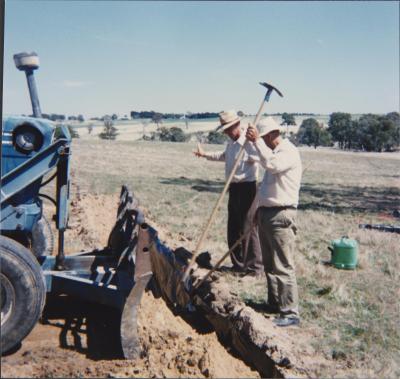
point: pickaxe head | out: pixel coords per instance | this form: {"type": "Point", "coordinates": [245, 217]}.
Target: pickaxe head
{"type": "Point", "coordinates": [270, 88]}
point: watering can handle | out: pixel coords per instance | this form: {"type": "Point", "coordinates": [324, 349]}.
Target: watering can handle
{"type": "Point", "coordinates": [330, 248]}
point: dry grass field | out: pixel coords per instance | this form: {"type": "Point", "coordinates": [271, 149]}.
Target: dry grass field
{"type": "Point", "coordinates": [353, 316]}
{"type": "Point", "coordinates": [131, 130]}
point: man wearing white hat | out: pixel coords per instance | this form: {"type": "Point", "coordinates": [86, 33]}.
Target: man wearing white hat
{"type": "Point", "coordinates": [242, 190]}
{"type": "Point", "coordinates": [278, 198]}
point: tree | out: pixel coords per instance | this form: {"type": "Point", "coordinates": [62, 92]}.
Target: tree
{"type": "Point", "coordinates": [395, 117]}
{"type": "Point", "coordinates": [109, 131]}
{"type": "Point", "coordinates": [288, 119]}
{"type": "Point", "coordinates": [203, 115]}
{"type": "Point", "coordinates": [72, 131]}
{"type": "Point", "coordinates": [90, 128]}
{"type": "Point", "coordinates": [312, 133]}
{"type": "Point", "coordinates": [341, 128]}
{"type": "Point", "coordinates": [378, 133]}
{"type": "Point", "coordinates": [395, 130]}
{"type": "Point", "coordinates": [54, 116]}
{"type": "Point", "coordinates": [80, 118]}
{"type": "Point", "coordinates": [187, 116]}
{"type": "Point", "coordinates": [324, 137]}
{"type": "Point", "coordinates": [157, 119]}
{"type": "Point", "coordinates": [216, 138]}
{"type": "Point", "coordinates": [240, 113]}
{"type": "Point", "coordinates": [306, 133]}
{"type": "Point", "coordinates": [173, 134]}
{"type": "Point", "coordinates": [114, 117]}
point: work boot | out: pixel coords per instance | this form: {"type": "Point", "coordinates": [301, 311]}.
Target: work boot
{"type": "Point", "coordinates": [286, 321]}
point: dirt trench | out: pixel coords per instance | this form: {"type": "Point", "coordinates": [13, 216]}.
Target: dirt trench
{"type": "Point", "coordinates": [76, 346]}
{"type": "Point", "coordinates": [78, 342]}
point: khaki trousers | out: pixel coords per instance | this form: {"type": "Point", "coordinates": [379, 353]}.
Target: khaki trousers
{"type": "Point", "coordinates": [277, 229]}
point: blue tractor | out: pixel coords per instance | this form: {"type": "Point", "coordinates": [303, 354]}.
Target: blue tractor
{"type": "Point", "coordinates": [35, 153]}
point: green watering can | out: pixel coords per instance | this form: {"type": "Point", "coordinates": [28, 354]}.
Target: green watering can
{"type": "Point", "coordinates": [344, 253]}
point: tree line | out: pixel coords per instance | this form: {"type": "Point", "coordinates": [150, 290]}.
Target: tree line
{"type": "Point", "coordinates": [158, 115]}
{"type": "Point", "coordinates": [371, 132]}
{"type": "Point", "coordinates": [60, 117]}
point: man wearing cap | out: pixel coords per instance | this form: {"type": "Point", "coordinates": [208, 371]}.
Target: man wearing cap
{"type": "Point", "coordinates": [242, 190]}
{"type": "Point", "coordinates": [277, 199]}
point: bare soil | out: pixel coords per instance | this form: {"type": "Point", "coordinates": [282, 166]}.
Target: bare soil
{"type": "Point", "coordinates": [171, 348]}
{"type": "Point", "coordinates": [63, 345]}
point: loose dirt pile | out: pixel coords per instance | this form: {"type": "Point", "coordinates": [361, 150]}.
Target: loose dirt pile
{"type": "Point", "coordinates": [92, 218]}
{"type": "Point", "coordinates": [171, 347]}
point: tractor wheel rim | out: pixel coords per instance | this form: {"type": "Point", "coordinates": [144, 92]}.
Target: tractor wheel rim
{"type": "Point", "coordinates": [7, 298]}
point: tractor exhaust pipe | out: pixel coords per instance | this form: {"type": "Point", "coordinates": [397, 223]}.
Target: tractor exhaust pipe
{"type": "Point", "coordinates": [29, 62]}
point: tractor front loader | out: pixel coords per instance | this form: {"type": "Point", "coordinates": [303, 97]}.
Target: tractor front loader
{"type": "Point", "coordinates": [116, 275]}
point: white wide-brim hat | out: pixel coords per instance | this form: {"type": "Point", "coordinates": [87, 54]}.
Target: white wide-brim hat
{"type": "Point", "coordinates": [227, 119]}
{"type": "Point", "coordinates": [267, 125]}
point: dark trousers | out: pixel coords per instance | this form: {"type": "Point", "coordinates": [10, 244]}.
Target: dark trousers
{"type": "Point", "coordinates": [247, 256]}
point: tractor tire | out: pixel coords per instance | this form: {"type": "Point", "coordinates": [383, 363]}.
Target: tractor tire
{"type": "Point", "coordinates": [42, 238]}
{"type": "Point", "coordinates": [23, 292]}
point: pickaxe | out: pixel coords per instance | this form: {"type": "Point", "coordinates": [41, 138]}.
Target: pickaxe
{"type": "Point", "coordinates": [270, 89]}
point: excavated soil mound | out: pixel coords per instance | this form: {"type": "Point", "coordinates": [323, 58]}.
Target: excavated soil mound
{"type": "Point", "coordinates": [73, 339]}
{"type": "Point", "coordinates": [170, 348]}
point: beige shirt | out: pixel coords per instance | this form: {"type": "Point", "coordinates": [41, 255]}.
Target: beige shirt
{"type": "Point", "coordinates": [281, 183]}
{"type": "Point", "coordinates": [247, 170]}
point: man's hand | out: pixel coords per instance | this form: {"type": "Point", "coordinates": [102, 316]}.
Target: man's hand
{"type": "Point", "coordinates": [199, 152]}
{"type": "Point", "coordinates": [252, 159]}
{"type": "Point", "coordinates": [252, 133]}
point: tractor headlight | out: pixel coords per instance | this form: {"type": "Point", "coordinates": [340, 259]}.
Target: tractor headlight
{"type": "Point", "coordinates": [27, 138]}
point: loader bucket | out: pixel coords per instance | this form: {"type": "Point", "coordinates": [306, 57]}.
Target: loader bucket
{"type": "Point", "coordinates": [115, 276]}
{"type": "Point", "coordinates": [129, 242]}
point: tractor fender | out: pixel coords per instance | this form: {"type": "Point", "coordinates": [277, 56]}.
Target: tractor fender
{"type": "Point", "coordinates": [42, 238]}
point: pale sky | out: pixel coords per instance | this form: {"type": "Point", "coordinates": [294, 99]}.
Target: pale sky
{"type": "Point", "coordinates": [113, 57]}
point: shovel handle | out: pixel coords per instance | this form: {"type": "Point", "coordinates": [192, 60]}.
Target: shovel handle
{"type": "Point", "coordinates": [258, 115]}
{"type": "Point", "coordinates": [219, 201]}
{"type": "Point", "coordinates": [213, 213]}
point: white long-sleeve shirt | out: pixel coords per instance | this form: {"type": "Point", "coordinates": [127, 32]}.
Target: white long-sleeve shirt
{"type": "Point", "coordinates": [247, 170]}
{"type": "Point", "coordinates": [281, 183]}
